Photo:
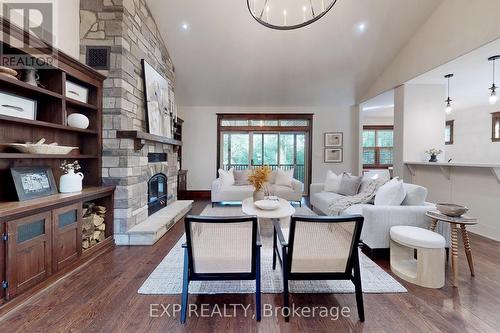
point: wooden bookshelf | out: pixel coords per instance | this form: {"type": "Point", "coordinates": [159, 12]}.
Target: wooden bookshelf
{"type": "Point", "coordinates": [30, 260]}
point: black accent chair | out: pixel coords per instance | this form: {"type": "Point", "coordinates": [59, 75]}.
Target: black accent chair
{"type": "Point", "coordinates": [320, 248]}
{"type": "Point", "coordinates": [221, 248]}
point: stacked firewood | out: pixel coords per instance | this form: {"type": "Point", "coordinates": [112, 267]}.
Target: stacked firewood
{"type": "Point", "coordinates": [93, 226]}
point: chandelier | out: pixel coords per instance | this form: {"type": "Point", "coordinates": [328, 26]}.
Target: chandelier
{"type": "Point", "coordinates": [288, 14]}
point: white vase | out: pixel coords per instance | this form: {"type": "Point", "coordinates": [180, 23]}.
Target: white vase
{"type": "Point", "coordinates": [71, 182]}
{"type": "Point", "coordinates": [78, 120]}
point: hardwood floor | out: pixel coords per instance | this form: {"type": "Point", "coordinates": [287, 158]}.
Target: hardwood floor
{"type": "Point", "coordinates": [102, 297]}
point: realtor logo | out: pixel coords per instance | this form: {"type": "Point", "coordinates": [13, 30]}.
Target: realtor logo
{"type": "Point", "coordinates": [25, 50]}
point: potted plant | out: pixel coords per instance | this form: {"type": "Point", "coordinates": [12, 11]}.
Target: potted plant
{"type": "Point", "coordinates": [70, 181]}
{"type": "Point", "coordinates": [433, 153]}
{"type": "Point", "coordinates": [258, 178]}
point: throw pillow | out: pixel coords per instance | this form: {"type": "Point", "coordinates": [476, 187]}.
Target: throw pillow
{"type": "Point", "coordinates": [349, 185]}
{"type": "Point", "coordinates": [368, 177]}
{"type": "Point", "coordinates": [241, 177]}
{"type": "Point", "coordinates": [391, 193]}
{"type": "Point", "coordinates": [415, 195]}
{"type": "Point", "coordinates": [284, 178]}
{"type": "Point", "coordinates": [332, 182]}
{"type": "Point", "coordinates": [226, 177]}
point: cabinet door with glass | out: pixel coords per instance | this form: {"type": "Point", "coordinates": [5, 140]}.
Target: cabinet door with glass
{"type": "Point", "coordinates": [67, 241]}
{"type": "Point", "coordinates": [29, 259]}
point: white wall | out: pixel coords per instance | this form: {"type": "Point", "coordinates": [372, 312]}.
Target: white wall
{"type": "Point", "coordinates": [475, 188]}
{"type": "Point", "coordinates": [200, 139]}
{"type": "Point", "coordinates": [387, 121]}
{"type": "Point", "coordinates": [67, 25]}
{"type": "Point", "coordinates": [419, 119]}
{"type": "Point", "coordinates": [472, 136]}
{"type": "Point", "coordinates": [424, 119]}
{"type": "Point", "coordinates": [455, 28]}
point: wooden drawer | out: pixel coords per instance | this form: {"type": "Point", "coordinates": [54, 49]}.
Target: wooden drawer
{"type": "Point", "coordinates": [67, 235]}
{"type": "Point", "coordinates": [29, 259]}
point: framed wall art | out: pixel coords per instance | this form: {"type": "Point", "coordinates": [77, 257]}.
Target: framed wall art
{"type": "Point", "coordinates": [33, 182]}
{"type": "Point", "coordinates": [158, 102]}
{"type": "Point", "coordinates": [334, 155]}
{"type": "Point", "coordinates": [334, 139]}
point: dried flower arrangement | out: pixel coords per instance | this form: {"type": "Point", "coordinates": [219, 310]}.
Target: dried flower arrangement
{"type": "Point", "coordinates": [66, 167]}
{"type": "Point", "coordinates": [433, 151]}
{"type": "Point", "coordinates": [259, 176]}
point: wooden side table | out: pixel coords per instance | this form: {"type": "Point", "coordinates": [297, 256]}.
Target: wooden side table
{"type": "Point", "coordinates": [455, 223]}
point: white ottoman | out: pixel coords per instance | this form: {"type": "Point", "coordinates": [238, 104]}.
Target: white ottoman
{"type": "Point", "coordinates": [427, 270]}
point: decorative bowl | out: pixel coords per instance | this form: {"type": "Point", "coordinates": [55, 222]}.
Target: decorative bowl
{"type": "Point", "coordinates": [452, 210]}
{"type": "Point", "coordinates": [78, 120]}
{"type": "Point", "coordinates": [267, 204]}
{"type": "Point", "coordinates": [31, 148]}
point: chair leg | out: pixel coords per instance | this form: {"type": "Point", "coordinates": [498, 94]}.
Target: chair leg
{"type": "Point", "coordinates": [358, 287]}
{"type": "Point", "coordinates": [185, 287]}
{"type": "Point", "coordinates": [274, 249]}
{"type": "Point", "coordinates": [257, 286]}
{"type": "Point", "coordinates": [286, 300]}
{"type": "Point", "coordinates": [300, 203]}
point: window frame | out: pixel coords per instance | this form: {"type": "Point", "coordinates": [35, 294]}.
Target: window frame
{"type": "Point", "coordinates": [495, 116]}
{"type": "Point", "coordinates": [307, 130]}
{"type": "Point", "coordinates": [450, 123]}
{"type": "Point", "coordinates": [377, 150]}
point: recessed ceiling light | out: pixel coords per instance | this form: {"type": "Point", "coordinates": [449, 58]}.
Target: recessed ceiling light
{"type": "Point", "coordinates": [362, 27]}
{"type": "Point", "coordinates": [185, 26]}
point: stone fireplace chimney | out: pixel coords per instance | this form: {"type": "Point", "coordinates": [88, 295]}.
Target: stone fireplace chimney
{"type": "Point", "coordinates": [129, 31]}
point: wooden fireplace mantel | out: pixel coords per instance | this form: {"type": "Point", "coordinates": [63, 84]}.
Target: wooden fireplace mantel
{"type": "Point", "coordinates": [140, 138]}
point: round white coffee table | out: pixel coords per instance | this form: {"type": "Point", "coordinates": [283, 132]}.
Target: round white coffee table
{"type": "Point", "coordinates": [284, 211]}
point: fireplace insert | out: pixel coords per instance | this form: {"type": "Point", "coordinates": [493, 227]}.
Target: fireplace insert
{"type": "Point", "coordinates": [157, 193]}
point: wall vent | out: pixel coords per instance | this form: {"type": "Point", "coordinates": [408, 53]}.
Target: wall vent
{"type": "Point", "coordinates": [98, 57]}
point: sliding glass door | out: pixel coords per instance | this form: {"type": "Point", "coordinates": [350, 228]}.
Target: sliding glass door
{"type": "Point", "coordinates": [278, 140]}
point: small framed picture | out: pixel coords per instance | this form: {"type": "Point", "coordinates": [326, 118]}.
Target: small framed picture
{"type": "Point", "coordinates": [33, 182]}
{"type": "Point", "coordinates": [334, 139]}
{"type": "Point", "coordinates": [334, 155]}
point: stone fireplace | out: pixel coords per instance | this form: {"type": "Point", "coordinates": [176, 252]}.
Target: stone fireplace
{"type": "Point", "coordinates": [128, 29]}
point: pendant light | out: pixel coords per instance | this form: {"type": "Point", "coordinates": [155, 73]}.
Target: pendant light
{"type": "Point", "coordinates": [493, 96]}
{"type": "Point", "coordinates": [448, 108]}
{"type": "Point", "coordinates": [288, 15]}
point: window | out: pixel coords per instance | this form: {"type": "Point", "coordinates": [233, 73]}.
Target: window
{"type": "Point", "coordinates": [378, 144]}
{"type": "Point", "coordinates": [277, 140]}
{"type": "Point", "coordinates": [448, 132]}
{"type": "Point", "coordinates": [495, 126]}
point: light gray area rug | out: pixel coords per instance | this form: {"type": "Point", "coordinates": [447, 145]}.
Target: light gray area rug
{"type": "Point", "coordinates": [167, 277]}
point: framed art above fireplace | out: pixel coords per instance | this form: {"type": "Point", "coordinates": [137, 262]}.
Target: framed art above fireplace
{"type": "Point", "coordinates": [159, 96]}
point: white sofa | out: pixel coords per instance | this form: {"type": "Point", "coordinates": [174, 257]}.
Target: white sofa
{"type": "Point", "coordinates": [238, 193]}
{"type": "Point", "coordinates": [380, 219]}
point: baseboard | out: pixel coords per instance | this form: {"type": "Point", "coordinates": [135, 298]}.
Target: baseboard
{"type": "Point", "coordinates": [197, 195]}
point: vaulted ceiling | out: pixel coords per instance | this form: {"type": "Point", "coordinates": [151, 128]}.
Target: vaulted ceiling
{"type": "Point", "coordinates": [225, 58]}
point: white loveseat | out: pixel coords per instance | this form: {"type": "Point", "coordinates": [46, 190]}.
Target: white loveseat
{"type": "Point", "coordinates": [379, 219]}
{"type": "Point", "coordinates": [230, 193]}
